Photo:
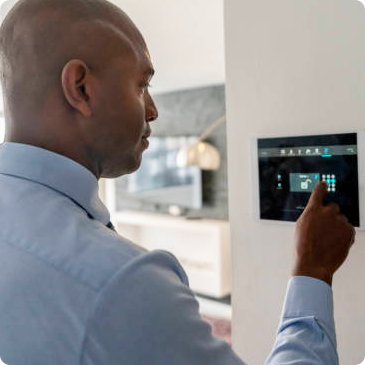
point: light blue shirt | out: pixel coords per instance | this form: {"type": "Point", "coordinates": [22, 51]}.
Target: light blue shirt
{"type": "Point", "coordinates": [306, 333]}
{"type": "Point", "coordinates": [73, 291]}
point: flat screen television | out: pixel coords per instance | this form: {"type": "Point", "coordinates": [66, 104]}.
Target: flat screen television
{"type": "Point", "coordinates": [159, 180]}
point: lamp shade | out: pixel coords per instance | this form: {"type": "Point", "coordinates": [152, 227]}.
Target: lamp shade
{"type": "Point", "coordinates": [201, 154]}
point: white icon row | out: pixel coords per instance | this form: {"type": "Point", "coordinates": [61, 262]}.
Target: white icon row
{"type": "Point", "coordinates": [307, 151]}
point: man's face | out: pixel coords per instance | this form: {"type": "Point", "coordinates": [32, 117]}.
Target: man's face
{"type": "Point", "coordinates": [125, 109]}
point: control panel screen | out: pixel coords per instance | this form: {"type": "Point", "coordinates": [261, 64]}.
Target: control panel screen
{"type": "Point", "coordinates": [291, 167]}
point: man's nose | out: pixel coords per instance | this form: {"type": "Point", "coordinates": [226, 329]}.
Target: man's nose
{"type": "Point", "coordinates": [151, 111]}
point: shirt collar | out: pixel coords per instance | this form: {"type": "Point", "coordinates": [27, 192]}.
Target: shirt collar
{"type": "Point", "coordinates": [56, 171]}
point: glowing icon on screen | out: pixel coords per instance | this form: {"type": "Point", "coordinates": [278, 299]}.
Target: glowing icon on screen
{"type": "Point", "coordinates": [304, 184]}
{"type": "Point", "coordinates": [331, 183]}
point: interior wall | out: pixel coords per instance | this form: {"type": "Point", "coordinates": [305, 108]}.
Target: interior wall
{"type": "Point", "coordinates": [185, 40]}
{"type": "Point", "coordinates": [292, 67]}
{"type": "Point", "coordinates": [5, 8]}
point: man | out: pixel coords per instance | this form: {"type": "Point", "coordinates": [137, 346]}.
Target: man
{"type": "Point", "coordinates": [75, 76]}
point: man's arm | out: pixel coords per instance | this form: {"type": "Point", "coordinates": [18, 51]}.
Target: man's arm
{"type": "Point", "coordinates": [306, 333]}
{"type": "Point", "coordinates": [147, 314]}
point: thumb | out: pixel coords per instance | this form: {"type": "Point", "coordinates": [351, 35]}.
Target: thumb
{"type": "Point", "coordinates": [318, 194]}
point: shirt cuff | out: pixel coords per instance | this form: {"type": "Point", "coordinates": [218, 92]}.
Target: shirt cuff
{"type": "Point", "coordinates": [307, 296]}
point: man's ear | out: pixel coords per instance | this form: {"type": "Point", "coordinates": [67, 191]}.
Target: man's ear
{"type": "Point", "coordinates": [75, 76]}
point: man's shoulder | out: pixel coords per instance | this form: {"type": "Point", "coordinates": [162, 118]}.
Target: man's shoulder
{"type": "Point", "coordinates": [98, 253]}
{"type": "Point", "coordinates": [53, 228]}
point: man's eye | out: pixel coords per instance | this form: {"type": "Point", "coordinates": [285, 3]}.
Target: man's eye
{"type": "Point", "coordinates": [145, 87]}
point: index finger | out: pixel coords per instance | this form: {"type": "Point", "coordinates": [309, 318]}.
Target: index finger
{"type": "Point", "coordinates": [318, 194]}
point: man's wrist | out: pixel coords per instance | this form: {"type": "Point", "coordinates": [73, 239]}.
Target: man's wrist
{"type": "Point", "coordinates": [317, 273]}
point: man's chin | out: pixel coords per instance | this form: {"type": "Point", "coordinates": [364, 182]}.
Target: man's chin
{"type": "Point", "coordinates": [135, 164]}
{"type": "Point", "coordinates": [131, 165]}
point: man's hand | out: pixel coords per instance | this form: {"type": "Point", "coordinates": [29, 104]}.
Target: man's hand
{"type": "Point", "coordinates": [323, 238]}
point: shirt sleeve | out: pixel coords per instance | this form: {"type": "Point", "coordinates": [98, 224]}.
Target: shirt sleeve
{"type": "Point", "coordinates": [306, 334]}
{"type": "Point", "coordinates": [148, 315]}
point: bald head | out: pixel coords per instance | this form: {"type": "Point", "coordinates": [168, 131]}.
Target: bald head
{"type": "Point", "coordinates": [38, 37]}
{"type": "Point", "coordinates": [47, 46]}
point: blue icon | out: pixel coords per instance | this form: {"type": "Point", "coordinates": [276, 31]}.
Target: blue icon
{"type": "Point", "coordinates": [279, 177]}
{"type": "Point", "coordinates": [333, 180]}
{"type": "Point", "coordinates": [328, 181]}
{"type": "Point", "coordinates": [279, 185]}
{"type": "Point", "coordinates": [326, 150]}
{"type": "Point", "coordinates": [316, 177]}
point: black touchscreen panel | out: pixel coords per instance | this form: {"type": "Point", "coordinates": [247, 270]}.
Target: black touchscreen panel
{"type": "Point", "coordinates": [290, 168]}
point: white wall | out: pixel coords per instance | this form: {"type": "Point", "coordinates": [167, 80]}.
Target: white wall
{"type": "Point", "coordinates": [6, 5]}
{"type": "Point", "coordinates": [293, 67]}
{"type": "Point", "coordinates": [185, 39]}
